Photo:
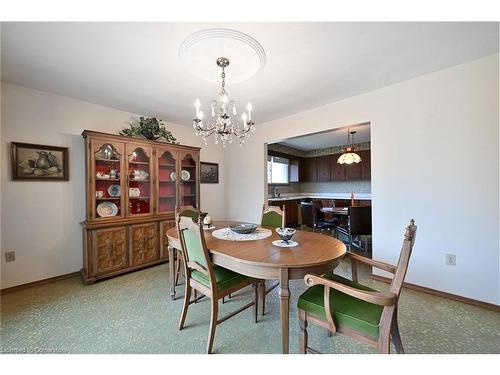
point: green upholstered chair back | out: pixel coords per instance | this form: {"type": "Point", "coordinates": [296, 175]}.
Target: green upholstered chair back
{"type": "Point", "coordinates": [193, 244]}
{"type": "Point", "coordinates": [189, 211]}
{"type": "Point", "coordinates": [273, 216]}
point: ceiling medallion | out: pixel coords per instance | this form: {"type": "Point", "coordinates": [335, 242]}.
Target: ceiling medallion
{"type": "Point", "coordinates": [349, 156]}
{"type": "Point", "coordinates": [222, 125]}
{"type": "Point", "coordinates": [199, 49]}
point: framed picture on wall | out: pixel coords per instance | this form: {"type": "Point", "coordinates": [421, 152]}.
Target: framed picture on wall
{"type": "Point", "coordinates": [209, 173]}
{"type": "Point", "coordinates": [39, 162]}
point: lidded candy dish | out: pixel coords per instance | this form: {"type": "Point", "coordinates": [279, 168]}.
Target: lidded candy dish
{"type": "Point", "coordinates": [285, 234]}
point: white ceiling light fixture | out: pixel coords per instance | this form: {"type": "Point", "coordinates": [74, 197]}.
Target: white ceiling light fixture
{"type": "Point", "coordinates": [349, 156]}
{"type": "Point", "coordinates": [223, 126]}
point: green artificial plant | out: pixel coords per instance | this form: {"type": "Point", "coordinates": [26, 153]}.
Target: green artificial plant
{"type": "Point", "coordinates": [150, 128]}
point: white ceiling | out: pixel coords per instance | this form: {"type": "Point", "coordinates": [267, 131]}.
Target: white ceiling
{"type": "Point", "coordinates": [337, 137]}
{"type": "Point", "coordinates": [136, 67]}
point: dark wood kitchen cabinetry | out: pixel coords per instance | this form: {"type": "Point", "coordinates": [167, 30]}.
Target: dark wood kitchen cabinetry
{"type": "Point", "coordinates": [337, 171]}
{"type": "Point", "coordinates": [310, 170]}
{"type": "Point", "coordinates": [324, 174]}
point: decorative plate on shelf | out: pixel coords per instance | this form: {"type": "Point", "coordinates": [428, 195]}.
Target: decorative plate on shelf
{"type": "Point", "coordinates": [134, 192]}
{"type": "Point", "coordinates": [185, 175]}
{"type": "Point", "coordinates": [173, 176]}
{"type": "Point", "coordinates": [114, 190]}
{"type": "Point", "coordinates": [106, 209]}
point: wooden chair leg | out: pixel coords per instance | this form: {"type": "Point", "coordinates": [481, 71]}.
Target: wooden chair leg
{"type": "Point", "coordinates": [396, 338]}
{"type": "Point", "coordinates": [177, 269]}
{"type": "Point", "coordinates": [262, 287]}
{"type": "Point", "coordinates": [213, 323]}
{"type": "Point", "coordinates": [256, 289]}
{"type": "Point", "coordinates": [303, 332]}
{"type": "Point", "coordinates": [195, 294]}
{"type": "Point", "coordinates": [187, 298]}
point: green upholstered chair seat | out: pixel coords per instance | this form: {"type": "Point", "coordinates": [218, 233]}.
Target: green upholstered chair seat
{"type": "Point", "coordinates": [272, 219]}
{"type": "Point", "coordinates": [347, 311]}
{"type": "Point", "coordinates": [225, 278]}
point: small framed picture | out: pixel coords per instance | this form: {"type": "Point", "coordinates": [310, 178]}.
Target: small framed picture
{"type": "Point", "coordinates": [209, 173]}
{"type": "Point", "coordinates": [39, 162]}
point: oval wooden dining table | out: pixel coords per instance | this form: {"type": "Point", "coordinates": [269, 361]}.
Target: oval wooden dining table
{"type": "Point", "coordinates": [315, 253]}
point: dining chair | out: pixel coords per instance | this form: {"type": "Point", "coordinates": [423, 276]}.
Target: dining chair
{"type": "Point", "coordinates": [359, 224]}
{"type": "Point", "coordinates": [193, 213]}
{"type": "Point", "coordinates": [210, 280]}
{"type": "Point", "coordinates": [273, 216]}
{"type": "Point", "coordinates": [345, 306]}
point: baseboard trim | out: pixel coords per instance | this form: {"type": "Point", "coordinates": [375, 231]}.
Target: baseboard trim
{"type": "Point", "coordinates": [434, 292]}
{"type": "Point", "coordinates": [39, 282]}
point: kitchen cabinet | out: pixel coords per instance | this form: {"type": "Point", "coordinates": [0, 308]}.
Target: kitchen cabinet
{"type": "Point", "coordinates": [323, 166]}
{"type": "Point", "coordinates": [366, 171]}
{"type": "Point", "coordinates": [294, 170]}
{"type": "Point", "coordinates": [310, 170]}
{"type": "Point", "coordinates": [337, 171]}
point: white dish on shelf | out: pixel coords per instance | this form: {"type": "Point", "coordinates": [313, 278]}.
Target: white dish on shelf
{"type": "Point", "coordinates": [134, 192]}
{"type": "Point", "coordinates": [173, 176]}
{"type": "Point", "coordinates": [107, 209]}
{"type": "Point", "coordinates": [185, 175]}
{"type": "Point", "coordinates": [208, 227]}
{"type": "Point", "coordinates": [114, 190]}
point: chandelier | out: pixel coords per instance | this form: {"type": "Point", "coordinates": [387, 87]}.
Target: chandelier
{"type": "Point", "coordinates": [349, 156]}
{"type": "Point", "coordinates": [223, 123]}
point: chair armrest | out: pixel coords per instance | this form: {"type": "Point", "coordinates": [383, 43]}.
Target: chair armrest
{"type": "Point", "coordinates": [375, 263]}
{"type": "Point", "coordinates": [378, 298]}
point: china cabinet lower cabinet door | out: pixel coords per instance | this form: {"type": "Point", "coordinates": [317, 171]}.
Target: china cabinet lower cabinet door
{"type": "Point", "coordinates": [110, 249]}
{"type": "Point", "coordinates": [143, 243]}
{"type": "Point", "coordinates": [164, 226]}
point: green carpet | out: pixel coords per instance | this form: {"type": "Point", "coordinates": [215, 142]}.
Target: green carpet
{"type": "Point", "coordinates": [133, 313]}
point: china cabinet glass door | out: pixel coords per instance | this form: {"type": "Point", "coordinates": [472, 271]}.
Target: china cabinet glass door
{"type": "Point", "coordinates": [167, 176]}
{"type": "Point", "coordinates": [106, 169]}
{"type": "Point", "coordinates": [139, 180]}
{"type": "Point", "coordinates": [188, 181]}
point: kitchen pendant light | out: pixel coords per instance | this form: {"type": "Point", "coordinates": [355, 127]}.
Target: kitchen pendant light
{"type": "Point", "coordinates": [349, 156]}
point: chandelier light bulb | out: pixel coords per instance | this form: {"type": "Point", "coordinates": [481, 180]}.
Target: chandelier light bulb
{"type": "Point", "coordinates": [197, 105]}
{"type": "Point", "coordinates": [200, 115]}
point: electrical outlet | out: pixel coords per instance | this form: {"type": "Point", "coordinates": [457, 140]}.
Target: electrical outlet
{"type": "Point", "coordinates": [451, 260]}
{"type": "Point", "coordinates": [10, 256]}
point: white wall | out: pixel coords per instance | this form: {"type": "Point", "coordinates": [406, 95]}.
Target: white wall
{"type": "Point", "coordinates": [435, 143]}
{"type": "Point", "coordinates": [40, 220]}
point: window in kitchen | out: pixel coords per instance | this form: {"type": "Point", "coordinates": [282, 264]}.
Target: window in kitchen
{"type": "Point", "coordinates": [277, 170]}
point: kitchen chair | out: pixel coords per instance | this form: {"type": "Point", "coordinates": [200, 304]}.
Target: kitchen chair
{"type": "Point", "coordinates": [210, 280]}
{"type": "Point", "coordinates": [319, 218]}
{"type": "Point", "coordinates": [306, 213]}
{"type": "Point", "coordinates": [344, 306]}
{"type": "Point", "coordinates": [273, 216]}
{"type": "Point", "coordinates": [359, 224]}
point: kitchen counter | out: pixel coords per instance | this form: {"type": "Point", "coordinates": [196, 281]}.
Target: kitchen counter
{"type": "Point", "coordinates": [286, 197]}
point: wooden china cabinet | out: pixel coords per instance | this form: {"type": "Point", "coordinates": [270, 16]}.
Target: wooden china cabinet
{"type": "Point", "coordinates": [132, 189]}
